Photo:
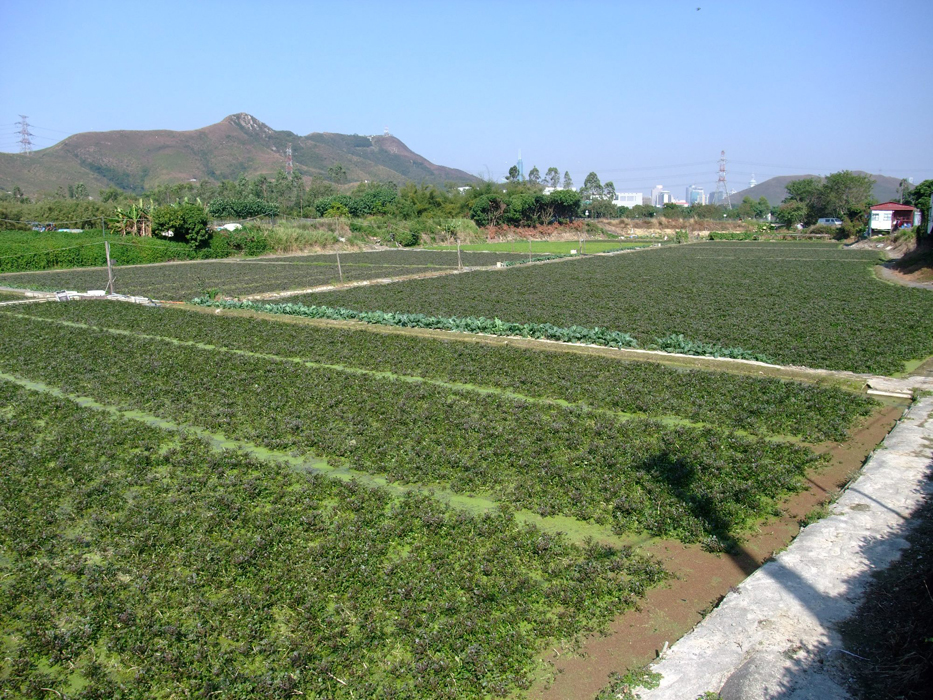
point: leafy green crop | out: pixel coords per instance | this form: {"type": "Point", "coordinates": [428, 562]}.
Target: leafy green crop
{"type": "Point", "coordinates": [630, 474]}
{"type": "Point", "coordinates": [807, 304]}
{"type": "Point", "coordinates": [135, 565]}
{"type": "Point", "coordinates": [755, 404]}
{"type": "Point", "coordinates": [252, 276]}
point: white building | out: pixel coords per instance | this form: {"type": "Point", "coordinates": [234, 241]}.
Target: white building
{"type": "Point", "coordinates": [627, 199]}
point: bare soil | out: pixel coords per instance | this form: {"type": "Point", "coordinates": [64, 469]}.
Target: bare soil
{"type": "Point", "coordinates": [701, 579]}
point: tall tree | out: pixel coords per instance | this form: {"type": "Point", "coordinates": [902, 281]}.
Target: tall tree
{"type": "Point", "coordinates": [592, 187]}
{"type": "Point", "coordinates": [845, 194]}
{"type": "Point", "coordinates": [552, 177]}
{"type": "Point", "coordinates": [568, 183]}
{"type": "Point", "coordinates": [513, 175]}
{"type": "Point", "coordinates": [609, 191]}
{"type": "Point", "coordinates": [534, 176]}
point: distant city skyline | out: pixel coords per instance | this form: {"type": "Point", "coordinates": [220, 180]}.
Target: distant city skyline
{"type": "Point", "coordinates": [784, 88]}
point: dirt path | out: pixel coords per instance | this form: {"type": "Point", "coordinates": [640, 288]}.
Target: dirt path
{"type": "Point", "coordinates": [888, 274]}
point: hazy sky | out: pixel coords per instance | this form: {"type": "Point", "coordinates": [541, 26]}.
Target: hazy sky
{"type": "Point", "coordinates": [644, 93]}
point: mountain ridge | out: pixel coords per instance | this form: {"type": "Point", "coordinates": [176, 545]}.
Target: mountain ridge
{"type": "Point", "coordinates": [239, 144]}
{"type": "Point", "coordinates": [774, 189]}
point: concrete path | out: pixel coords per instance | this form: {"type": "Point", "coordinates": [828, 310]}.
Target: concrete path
{"type": "Point", "coordinates": [774, 635]}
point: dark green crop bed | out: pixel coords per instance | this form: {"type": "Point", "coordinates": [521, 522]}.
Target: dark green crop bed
{"type": "Point", "coordinates": [184, 281]}
{"type": "Point", "coordinates": [634, 475]}
{"type": "Point", "coordinates": [134, 564]}
{"type": "Point", "coordinates": [804, 304]}
{"type": "Point", "coordinates": [758, 405]}
{"type": "Point", "coordinates": [403, 257]}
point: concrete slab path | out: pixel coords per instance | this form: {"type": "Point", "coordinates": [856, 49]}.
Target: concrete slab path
{"type": "Point", "coordinates": [774, 636]}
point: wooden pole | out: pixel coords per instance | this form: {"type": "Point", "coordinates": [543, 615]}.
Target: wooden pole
{"type": "Point", "coordinates": [459, 261]}
{"type": "Point", "coordinates": [529, 250]}
{"type": "Point", "coordinates": [109, 267]}
{"type": "Point", "coordinates": [339, 269]}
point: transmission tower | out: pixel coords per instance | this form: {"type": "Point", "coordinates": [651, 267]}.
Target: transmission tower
{"type": "Point", "coordinates": [289, 166]}
{"type": "Point", "coordinates": [722, 192]}
{"type": "Point", "coordinates": [25, 143]}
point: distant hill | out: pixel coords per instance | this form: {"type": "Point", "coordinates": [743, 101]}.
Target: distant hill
{"type": "Point", "coordinates": [774, 190]}
{"type": "Point", "coordinates": [238, 145]}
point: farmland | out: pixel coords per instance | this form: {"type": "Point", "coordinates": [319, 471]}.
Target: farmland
{"type": "Point", "coordinates": [796, 303]}
{"type": "Point", "coordinates": [203, 502]}
{"type": "Point", "coordinates": [543, 247]}
{"type": "Point", "coordinates": [30, 250]}
{"type": "Point", "coordinates": [181, 281]}
{"type": "Point", "coordinates": [145, 571]}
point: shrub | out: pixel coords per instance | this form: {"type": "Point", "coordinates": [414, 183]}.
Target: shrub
{"type": "Point", "coordinates": [224, 207]}
{"type": "Point", "coordinates": [187, 222]}
{"type": "Point", "coordinates": [246, 241]}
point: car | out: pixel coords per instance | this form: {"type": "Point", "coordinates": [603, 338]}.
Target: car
{"type": "Point", "coordinates": [829, 222]}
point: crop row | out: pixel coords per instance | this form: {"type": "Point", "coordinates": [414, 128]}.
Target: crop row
{"type": "Point", "coordinates": [632, 475]}
{"type": "Point", "coordinates": [186, 280]}
{"type": "Point", "coordinates": [250, 276]}
{"type": "Point", "coordinates": [487, 326]}
{"type": "Point", "coordinates": [406, 257]}
{"type": "Point", "coordinates": [756, 404]}
{"type": "Point", "coordinates": [816, 305]}
{"type": "Point", "coordinates": [135, 565]}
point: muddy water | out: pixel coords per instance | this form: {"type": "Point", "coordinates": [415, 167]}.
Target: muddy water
{"type": "Point", "coordinates": [701, 578]}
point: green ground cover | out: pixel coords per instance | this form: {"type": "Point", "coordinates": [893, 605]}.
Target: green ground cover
{"type": "Point", "coordinates": [539, 247]}
{"type": "Point", "coordinates": [10, 296]}
{"type": "Point", "coordinates": [183, 281]}
{"type": "Point", "coordinates": [45, 250]}
{"type": "Point", "coordinates": [699, 483]}
{"type": "Point", "coordinates": [406, 257]}
{"type": "Point", "coordinates": [797, 303]}
{"type": "Point", "coordinates": [137, 564]}
{"type": "Point", "coordinates": [755, 404]}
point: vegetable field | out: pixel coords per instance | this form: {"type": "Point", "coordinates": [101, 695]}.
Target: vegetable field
{"type": "Point", "coordinates": [796, 303]}
{"type": "Point", "coordinates": [139, 565]}
{"type": "Point", "coordinates": [182, 281]}
{"type": "Point", "coordinates": [197, 503]}
{"type": "Point", "coordinates": [558, 247]}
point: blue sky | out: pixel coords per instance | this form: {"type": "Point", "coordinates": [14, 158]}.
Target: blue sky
{"type": "Point", "coordinates": [643, 93]}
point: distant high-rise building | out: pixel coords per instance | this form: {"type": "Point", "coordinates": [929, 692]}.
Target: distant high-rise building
{"type": "Point", "coordinates": [695, 195]}
{"type": "Point", "coordinates": [656, 195]}
{"type": "Point", "coordinates": [752, 182]}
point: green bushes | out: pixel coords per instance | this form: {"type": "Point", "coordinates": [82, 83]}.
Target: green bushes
{"type": "Point", "coordinates": [187, 222]}
{"type": "Point", "coordinates": [733, 235]}
{"type": "Point", "coordinates": [23, 251]}
{"type": "Point", "coordinates": [225, 243]}
{"type": "Point", "coordinates": [249, 208]}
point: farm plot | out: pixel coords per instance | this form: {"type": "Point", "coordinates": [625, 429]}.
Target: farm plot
{"type": "Point", "coordinates": [137, 564]}
{"type": "Point", "coordinates": [421, 257]}
{"type": "Point", "coordinates": [558, 247]}
{"type": "Point", "coordinates": [10, 296]}
{"type": "Point", "coordinates": [759, 405]}
{"type": "Point", "coordinates": [805, 304]}
{"type": "Point", "coordinates": [249, 276]}
{"type": "Point", "coordinates": [629, 473]}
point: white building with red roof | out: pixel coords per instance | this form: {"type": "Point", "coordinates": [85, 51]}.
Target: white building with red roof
{"type": "Point", "coordinates": [891, 216]}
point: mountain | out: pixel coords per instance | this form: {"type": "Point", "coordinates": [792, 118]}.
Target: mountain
{"type": "Point", "coordinates": [884, 189]}
{"type": "Point", "coordinates": [238, 145]}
